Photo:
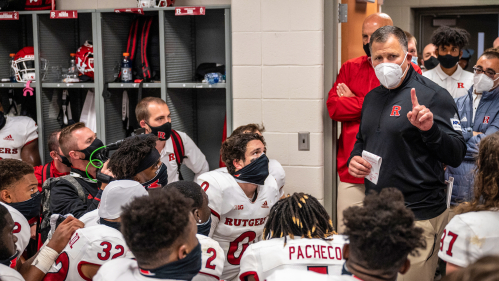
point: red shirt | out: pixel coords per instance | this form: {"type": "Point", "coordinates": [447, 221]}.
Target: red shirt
{"type": "Point", "coordinates": [54, 173]}
{"type": "Point", "coordinates": [358, 74]}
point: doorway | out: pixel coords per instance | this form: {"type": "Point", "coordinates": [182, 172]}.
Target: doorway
{"type": "Point", "coordinates": [481, 22]}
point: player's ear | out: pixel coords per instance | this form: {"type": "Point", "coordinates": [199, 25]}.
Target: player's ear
{"type": "Point", "coordinates": [142, 123]}
{"type": "Point", "coordinates": [54, 155]}
{"type": "Point", "coordinates": [346, 251]}
{"type": "Point", "coordinates": [74, 155]}
{"type": "Point", "coordinates": [238, 164]}
{"type": "Point", "coordinates": [405, 267]}
{"type": "Point", "coordinates": [197, 216]}
{"type": "Point", "coordinates": [5, 196]}
{"type": "Point", "coordinates": [182, 251]}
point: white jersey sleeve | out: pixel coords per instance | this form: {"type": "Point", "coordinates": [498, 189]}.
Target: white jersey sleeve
{"type": "Point", "coordinates": [21, 230]}
{"type": "Point", "coordinates": [249, 263]}
{"type": "Point", "coordinates": [213, 259]}
{"type": "Point", "coordinates": [210, 185]}
{"type": "Point", "coordinates": [9, 274]}
{"type": "Point", "coordinates": [31, 132]}
{"type": "Point", "coordinates": [469, 237]}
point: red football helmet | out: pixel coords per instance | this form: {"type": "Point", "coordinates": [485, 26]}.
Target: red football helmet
{"type": "Point", "coordinates": [85, 59]}
{"type": "Point", "coordinates": [24, 64]}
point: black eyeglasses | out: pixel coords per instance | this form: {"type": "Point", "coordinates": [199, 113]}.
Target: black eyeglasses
{"type": "Point", "coordinates": [479, 70]}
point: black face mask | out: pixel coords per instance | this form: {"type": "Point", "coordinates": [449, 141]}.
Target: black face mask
{"type": "Point", "coordinates": [11, 261]}
{"type": "Point", "coordinates": [448, 61]}
{"type": "Point", "coordinates": [163, 132]}
{"type": "Point", "coordinates": [29, 208]}
{"type": "Point", "coordinates": [65, 161]}
{"type": "Point", "coordinates": [114, 224]}
{"type": "Point", "coordinates": [97, 143]}
{"type": "Point", "coordinates": [2, 120]}
{"type": "Point", "coordinates": [204, 228]}
{"type": "Point", "coordinates": [366, 49]}
{"type": "Point", "coordinates": [431, 63]}
{"type": "Point", "coordinates": [159, 180]}
{"type": "Point", "coordinates": [256, 172]}
{"type": "Point", "coordinates": [184, 269]}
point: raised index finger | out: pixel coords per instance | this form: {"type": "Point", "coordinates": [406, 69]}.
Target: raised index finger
{"type": "Point", "coordinates": [414, 98]}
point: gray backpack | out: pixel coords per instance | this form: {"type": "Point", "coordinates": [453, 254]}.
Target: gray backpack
{"type": "Point", "coordinates": [46, 189]}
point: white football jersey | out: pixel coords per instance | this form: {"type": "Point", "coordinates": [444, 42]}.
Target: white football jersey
{"type": "Point", "coordinates": [17, 132]}
{"type": "Point", "coordinates": [262, 259]}
{"type": "Point", "coordinates": [9, 274]}
{"type": "Point", "coordinates": [22, 230]}
{"type": "Point", "coordinates": [122, 270]}
{"type": "Point", "coordinates": [470, 236]}
{"type": "Point", "coordinates": [213, 259]}
{"type": "Point", "coordinates": [94, 245]}
{"type": "Point", "coordinates": [91, 218]}
{"type": "Point", "coordinates": [240, 221]}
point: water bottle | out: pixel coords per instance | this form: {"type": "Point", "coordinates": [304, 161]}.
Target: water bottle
{"type": "Point", "coordinates": [126, 69]}
{"type": "Point", "coordinates": [11, 69]}
{"type": "Point", "coordinates": [213, 78]}
{"type": "Point", "coordinates": [72, 71]}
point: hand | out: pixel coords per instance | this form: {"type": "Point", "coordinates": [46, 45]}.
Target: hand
{"type": "Point", "coordinates": [64, 232]}
{"type": "Point", "coordinates": [343, 91]}
{"type": "Point", "coordinates": [105, 171]}
{"type": "Point", "coordinates": [476, 133]}
{"type": "Point", "coordinates": [420, 116]}
{"type": "Point", "coordinates": [359, 167]}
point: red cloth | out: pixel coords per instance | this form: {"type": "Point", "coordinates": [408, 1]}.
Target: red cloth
{"type": "Point", "coordinates": [358, 74]}
{"type": "Point", "coordinates": [54, 173]}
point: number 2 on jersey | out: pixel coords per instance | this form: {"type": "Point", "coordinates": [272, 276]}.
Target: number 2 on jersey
{"type": "Point", "coordinates": [107, 251]}
{"type": "Point", "coordinates": [234, 245]}
{"type": "Point", "coordinates": [211, 259]}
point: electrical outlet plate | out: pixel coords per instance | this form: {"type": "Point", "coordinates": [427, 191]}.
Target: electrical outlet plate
{"type": "Point", "coordinates": [304, 141]}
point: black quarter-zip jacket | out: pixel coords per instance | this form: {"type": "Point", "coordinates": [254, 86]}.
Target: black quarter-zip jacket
{"type": "Point", "coordinates": [411, 159]}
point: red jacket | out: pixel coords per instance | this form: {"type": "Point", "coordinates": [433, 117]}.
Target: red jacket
{"type": "Point", "coordinates": [54, 173]}
{"type": "Point", "coordinates": [358, 74]}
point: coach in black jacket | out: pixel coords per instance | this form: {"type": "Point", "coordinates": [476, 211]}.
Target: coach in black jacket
{"type": "Point", "coordinates": [414, 135]}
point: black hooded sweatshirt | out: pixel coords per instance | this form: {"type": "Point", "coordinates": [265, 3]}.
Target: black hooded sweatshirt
{"type": "Point", "coordinates": [411, 159]}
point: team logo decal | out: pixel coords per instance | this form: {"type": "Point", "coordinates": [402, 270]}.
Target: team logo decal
{"type": "Point", "coordinates": [486, 119]}
{"type": "Point", "coordinates": [146, 272]}
{"type": "Point", "coordinates": [396, 110]}
{"type": "Point", "coordinates": [265, 205]}
{"type": "Point", "coordinates": [9, 138]}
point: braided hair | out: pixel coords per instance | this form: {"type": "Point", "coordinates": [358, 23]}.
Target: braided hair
{"type": "Point", "coordinates": [298, 215]}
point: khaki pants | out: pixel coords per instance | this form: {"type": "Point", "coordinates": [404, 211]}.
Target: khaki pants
{"type": "Point", "coordinates": [423, 266]}
{"type": "Point", "coordinates": [349, 194]}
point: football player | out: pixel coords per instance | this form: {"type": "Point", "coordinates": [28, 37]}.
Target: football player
{"type": "Point", "coordinates": [275, 168]}
{"type": "Point", "coordinates": [381, 235]}
{"type": "Point", "coordinates": [161, 233]}
{"type": "Point", "coordinates": [298, 235]}
{"type": "Point", "coordinates": [212, 254]}
{"type": "Point", "coordinates": [473, 233]}
{"type": "Point", "coordinates": [240, 199]}
{"type": "Point", "coordinates": [138, 159]}
{"type": "Point", "coordinates": [35, 268]}
{"type": "Point", "coordinates": [19, 190]}
{"type": "Point", "coordinates": [91, 247]}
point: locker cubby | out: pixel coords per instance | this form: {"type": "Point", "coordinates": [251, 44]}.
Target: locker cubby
{"type": "Point", "coordinates": [20, 34]}
{"type": "Point", "coordinates": [58, 38]}
{"type": "Point", "coordinates": [115, 30]}
{"type": "Point", "coordinates": [51, 109]}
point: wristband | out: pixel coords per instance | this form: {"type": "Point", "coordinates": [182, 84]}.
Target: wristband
{"type": "Point", "coordinates": [45, 259]}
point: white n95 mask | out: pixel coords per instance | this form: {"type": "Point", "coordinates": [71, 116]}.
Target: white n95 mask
{"type": "Point", "coordinates": [389, 74]}
{"type": "Point", "coordinates": [482, 83]}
